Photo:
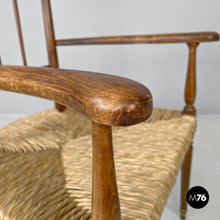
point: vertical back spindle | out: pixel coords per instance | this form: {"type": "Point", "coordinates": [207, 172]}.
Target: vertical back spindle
{"type": "Point", "coordinates": [51, 43]}
{"type": "Point", "coordinates": [18, 24]}
{"type": "Point", "coordinates": [49, 31]}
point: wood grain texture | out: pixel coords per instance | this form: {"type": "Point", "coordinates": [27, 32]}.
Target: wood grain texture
{"type": "Point", "coordinates": [102, 98]}
{"type": "Point", "coordinates": [105, 199]}
{"type": "Point", "coordinates": [18, 24]}
{"type": "Point", "coordinates": [190, 88]}
{"type": "Point", "coordinates": [144, 39]}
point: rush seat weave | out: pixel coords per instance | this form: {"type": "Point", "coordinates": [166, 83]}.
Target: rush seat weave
{"type": "Point", "coordinates": [46, 165]}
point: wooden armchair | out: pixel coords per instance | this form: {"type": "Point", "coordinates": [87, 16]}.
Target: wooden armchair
{"type": "Point", "coordinates": [51, 168]}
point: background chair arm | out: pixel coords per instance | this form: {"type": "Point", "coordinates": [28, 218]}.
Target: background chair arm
{"type": "Point", "coordinates": [143, 39]}
{"type": "Point", "coordinates": [104, 99]}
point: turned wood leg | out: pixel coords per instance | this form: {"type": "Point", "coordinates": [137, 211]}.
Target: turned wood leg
{"type": "Point", "coordinates": [105, 199]}
{"type": "Point", "coordinates": [190, 95]}
{"type": "Point", "coordinates": [185, 181]}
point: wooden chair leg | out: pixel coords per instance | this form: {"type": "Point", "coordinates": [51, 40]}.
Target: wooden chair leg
{"type": "Point", "coordinates": [105, 199]}
{"type": "Point", "coordinates": [185, 181]}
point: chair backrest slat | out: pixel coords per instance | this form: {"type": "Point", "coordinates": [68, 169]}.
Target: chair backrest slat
{"type": "Point", "coordinates": [49, 31]}
{"type": "Point", "coordinates": [18, 24]}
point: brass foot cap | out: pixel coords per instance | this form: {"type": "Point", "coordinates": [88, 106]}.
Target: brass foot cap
{"type": "Point", "coordinates": [183, 213]}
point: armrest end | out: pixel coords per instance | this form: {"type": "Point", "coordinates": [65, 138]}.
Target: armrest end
{"type": "Point", "coordinates": [104, 99]}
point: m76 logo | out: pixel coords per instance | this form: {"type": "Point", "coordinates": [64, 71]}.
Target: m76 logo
{"type": "Point", "coordinates": [197, 197]}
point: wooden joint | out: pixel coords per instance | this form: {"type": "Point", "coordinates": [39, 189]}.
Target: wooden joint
{"type": "Point", "coordinates": [192, 45]}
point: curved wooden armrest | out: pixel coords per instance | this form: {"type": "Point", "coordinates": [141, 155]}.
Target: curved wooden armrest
{"type": "Point", "coordinates": [144, 39]}
{"type": "Point", "coordinates": [105, 99]}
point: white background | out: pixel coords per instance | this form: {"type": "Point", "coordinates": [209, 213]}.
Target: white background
{"type": "Point", "coordinates": [161, 67]}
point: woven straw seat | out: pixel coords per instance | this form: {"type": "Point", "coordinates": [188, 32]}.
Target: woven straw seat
{"type": "Point", "coordinates": [59, 164]}
{"type": "Point", "coordinates": [46, 165]}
